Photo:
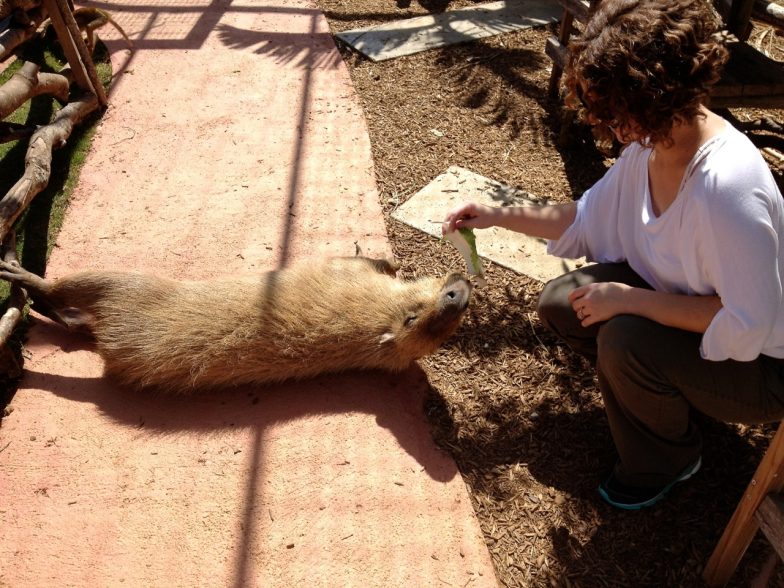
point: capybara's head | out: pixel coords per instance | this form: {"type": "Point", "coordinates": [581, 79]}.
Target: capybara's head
{"type": "Point", "coordinates": [422, 315]}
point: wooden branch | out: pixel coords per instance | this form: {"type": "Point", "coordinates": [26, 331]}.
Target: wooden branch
{"type": "Point", "coordinates": [38, 160]}
{"type": "Point", "coordinates": [769, 12]}
{"type": "Point", "coordinates": [776, 156]}
{"type": "Point", "coordinates": [11, 38]}
{"type": "Point", "coordinates": [87, 58]}
{"type": "Point", "coordinates": [14, 36]}
{"type": "Point", "coordinates": [766, 123]}
{"type": "Point", "coordinates": [76, 53]}
{"type": "Point", "coordinates": [767, 141]}
{"type": "Point", "coordinates": [27, 83]}
{"type": "Point", "coordinates": [10, 7]}
{"type": "Point", "coordinates": [13, 132]}
{"type": "Point", "coordinates": [9, 364]}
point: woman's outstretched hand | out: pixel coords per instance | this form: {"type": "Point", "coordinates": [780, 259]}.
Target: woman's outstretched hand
{"type": "Point", "coordinates": [469, 215]}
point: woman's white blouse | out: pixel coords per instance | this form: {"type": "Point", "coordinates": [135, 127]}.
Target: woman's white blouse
{"type": "Point", "coordinates": [721, 235]}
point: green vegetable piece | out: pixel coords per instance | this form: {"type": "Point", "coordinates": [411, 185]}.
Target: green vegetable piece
{"type": "Point", "coordinates": [464, 241]}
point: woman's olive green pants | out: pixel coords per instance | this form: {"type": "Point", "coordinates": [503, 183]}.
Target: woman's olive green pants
{"type": "Point", "coordinates": [652, 378]}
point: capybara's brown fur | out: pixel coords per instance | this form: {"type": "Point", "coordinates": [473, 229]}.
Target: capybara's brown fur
{"type": "Point", "coordinates": [317, 317]}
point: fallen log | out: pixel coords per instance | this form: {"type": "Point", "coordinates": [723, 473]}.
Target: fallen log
{"type": "Point", "coordinates": [29, 82]}
{"type": "Point", "coordinates": [38, 159]}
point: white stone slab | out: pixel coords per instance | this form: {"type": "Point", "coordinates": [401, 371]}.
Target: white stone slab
{"type": "Point", "coordinates": [521, 253]}
{"type": "Point", "coordinates": [412, 35]}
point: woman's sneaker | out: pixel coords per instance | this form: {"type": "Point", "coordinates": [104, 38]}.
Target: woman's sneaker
{"type": "Point", "coordinates": [634, 498]}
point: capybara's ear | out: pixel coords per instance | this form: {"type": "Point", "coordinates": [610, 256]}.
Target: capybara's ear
{"type": "Point", "coordinates": [386, 338]}
{"type": "Point", "coordinates": [358, 249]}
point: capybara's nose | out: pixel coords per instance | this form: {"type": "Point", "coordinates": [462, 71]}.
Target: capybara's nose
{"type": "Point", "coordinates": [452, 302]}
{"type": "Point", "coordinates": [457, 291]}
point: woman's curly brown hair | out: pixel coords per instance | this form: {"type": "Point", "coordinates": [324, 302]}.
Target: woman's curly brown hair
{"type": "Point", "coordinates": [644, 64]}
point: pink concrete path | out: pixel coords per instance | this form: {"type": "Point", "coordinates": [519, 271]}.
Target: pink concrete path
{"type": "Point", "coordinates": [234, 143]}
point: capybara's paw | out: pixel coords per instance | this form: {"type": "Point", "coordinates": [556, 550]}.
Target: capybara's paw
{"type": "Point", "coordinates": [11, 271]}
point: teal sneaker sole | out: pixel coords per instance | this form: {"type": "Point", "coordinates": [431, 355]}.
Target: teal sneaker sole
{"type": "Point", "coordinates": [617, 503]}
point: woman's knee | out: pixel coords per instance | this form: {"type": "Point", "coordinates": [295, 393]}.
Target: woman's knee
{"type": "Point", "coordinates": [629, 337]}
{"type": "Point", "coordinates": [553, 307]}
{"type": "Point", "coordinates": [624, 337]}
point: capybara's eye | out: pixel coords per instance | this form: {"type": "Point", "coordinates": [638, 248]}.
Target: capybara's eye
{"type": "Point", "coordinates": [410, 320]}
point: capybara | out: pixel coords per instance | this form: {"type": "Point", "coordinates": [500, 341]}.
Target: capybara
{"type": "Point", "coordinates": [311, 318]}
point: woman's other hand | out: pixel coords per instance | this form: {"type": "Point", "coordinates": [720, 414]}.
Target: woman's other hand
{"type": "Point", "coordinates": [599, 302]}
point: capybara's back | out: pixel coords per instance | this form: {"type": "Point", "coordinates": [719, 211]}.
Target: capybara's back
{"type": "Point", "coordinates": [312, 318]}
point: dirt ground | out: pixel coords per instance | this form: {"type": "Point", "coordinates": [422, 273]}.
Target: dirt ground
{"type": "Point", "coordinates": [518, 411]}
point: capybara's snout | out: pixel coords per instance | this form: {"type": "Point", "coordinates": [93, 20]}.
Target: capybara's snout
{"type": "Point", "coordinates": [456, 292]}
{"type": "Point", "coordinates": [452, 303]}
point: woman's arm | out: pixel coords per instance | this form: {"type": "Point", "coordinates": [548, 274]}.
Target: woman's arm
{"type": "Point", "coordinates": [547, 222]}
{"type": "Point", "coordinates": [601, 301]}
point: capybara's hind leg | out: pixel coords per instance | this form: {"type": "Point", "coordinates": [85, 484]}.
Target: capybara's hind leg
{"type": "Point", "coordinates": [35, 285]}
{"type": "Point", "coordinates": [42, 293]}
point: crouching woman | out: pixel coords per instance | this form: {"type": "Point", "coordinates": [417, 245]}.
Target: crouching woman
{"type": "Point", "coordinates": [683, 310]}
